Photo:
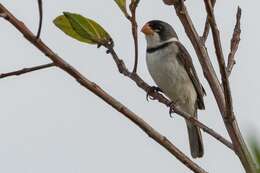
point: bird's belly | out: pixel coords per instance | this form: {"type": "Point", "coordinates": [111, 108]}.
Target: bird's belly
{"type": "Point", "coordinates": [168, 80]}
{"type": "Point", "coordinates": [172, 78]}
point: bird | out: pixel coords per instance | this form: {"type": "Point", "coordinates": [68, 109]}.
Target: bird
{"type": "Point", "coordinates": [170, 65]}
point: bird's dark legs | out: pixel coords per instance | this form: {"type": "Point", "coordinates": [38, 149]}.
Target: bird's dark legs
{"type": "Point", "coordinates": [152, 89]}
{"type": "Point", "coordinates": [171, 110]}
{"type": "Point", "coordinates": [157, 89]}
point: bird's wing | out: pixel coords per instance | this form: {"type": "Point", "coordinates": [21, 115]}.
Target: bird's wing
{"type": "Point", "coordinates": [185, 59]}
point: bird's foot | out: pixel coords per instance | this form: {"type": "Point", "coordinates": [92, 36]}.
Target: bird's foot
{"type": "Point", "coordinates": [172, 108]}
{"type": "Point", "coordinates": [152, 89]}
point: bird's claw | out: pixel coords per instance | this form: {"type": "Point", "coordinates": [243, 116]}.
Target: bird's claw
{"type": "Point", "coordinates": [152, 89]}
{"type": "Point", "coordinates": [171, 110]}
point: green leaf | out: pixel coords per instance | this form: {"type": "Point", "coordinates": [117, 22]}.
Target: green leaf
{"type": "Point", "coordinates": [87, 28]}
{"type": "Point", "coordinates": [63, 24]}
{"type": "Point", "coordinates": [82, 28]}
{"type": "Point", "coordinates": [122, 5]}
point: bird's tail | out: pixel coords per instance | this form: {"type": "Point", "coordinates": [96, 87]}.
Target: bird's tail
{"type": "Point", "coordinates": [195, 139]}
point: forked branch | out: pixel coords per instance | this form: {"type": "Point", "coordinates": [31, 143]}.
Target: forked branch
{"type": "Point", "coordinates": [223, 97]}
{"type": "Point", "coordinates": [229, 117]}
{"type": "Point", "coordinates": [210, 75]}
{"type": "Point", "coordinates": [97, 90]}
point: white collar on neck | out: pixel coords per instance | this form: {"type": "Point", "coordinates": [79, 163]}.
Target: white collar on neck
{"type": "Point", "coordinates": [173, 39]}
{"type": "Point", "coordinates": [153, 42]}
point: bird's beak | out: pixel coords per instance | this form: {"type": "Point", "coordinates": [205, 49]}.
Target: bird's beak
{"type": "Point", "coordinates": [147, 30]}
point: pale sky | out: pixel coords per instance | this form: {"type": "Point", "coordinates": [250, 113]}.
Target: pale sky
{"type": "Point", "coordinates": [50, 124]}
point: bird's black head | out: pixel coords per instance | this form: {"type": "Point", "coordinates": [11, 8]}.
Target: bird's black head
{"type": "Point", "coordinates": [163, 29]}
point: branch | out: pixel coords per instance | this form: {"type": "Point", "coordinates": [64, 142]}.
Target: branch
{"type": "Point", "coordinates": [234, 43]}
{"type": "Point", "coordinates": [204, 128]}
{"type": "Point", "coordinates": [201, 52]}
{"type": "Point", "coordinates": [132, 19]}
{"type": "Point", "coordinates": [207, 26]}
{"type": "Point", "coordinates": [101, 93]}
{"type": "Point", "coordinates": [238, 142]}
{"type": "Point", "coordinates": [40, 19]}
{"type": "Point", "coordinates": [210, 75]}
{"type": "Point", "coordinates": [157, 96]}
{"type": "Point", "coordinates": [26, 70]}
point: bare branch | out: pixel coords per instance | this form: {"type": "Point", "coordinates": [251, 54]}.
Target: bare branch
{"type": "Point", "coordinates": [146, 87]}
{"type": "Point", "coordinates": [218, 49]}
{"type": "Point", "coordinates": [26, 70]}
{"type": "Point", "coordinates": [234, 43]}
{"type": "Point", "coordinates": [210, 75]}
{"type": "Point", "coordinates": [157, 96]}
{"type": "Point", "coordinates": [207, 26]}
{"type": "Point", "coordinates": [201, 52]}
{"type": "Point", "coordinates": [238, 142]}
{"type": "Point", "coordinates": [97, 90]}
{"type": "Point", "coordinates": [40, 19]}
{"type": "Point", "coordinates": [132, 19]}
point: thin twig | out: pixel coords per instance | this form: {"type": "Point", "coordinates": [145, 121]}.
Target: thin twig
{"type": "Point", "coordinates": [132, 19]}
{"type": "Point", "coordinates": [235, 135]}
{"type": "Point", "coordinates": [234, 43]}
{"type": "Point", "coordinates": [157, 96]}
{"type": "Point", "coordinates": [40, 19]}
{"type": "Point", "coordinates": [26, 70]}
{"type": "Point", "coordinates": [97, 90]}
{"type": "Point", "coordinates": [207, 26]}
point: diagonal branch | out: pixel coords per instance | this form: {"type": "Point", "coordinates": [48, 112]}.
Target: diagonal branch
{"type": "Point", "coordinates": [229, 117]}
{"type": "Point", "coordinates": [97, 90]}
{"type": "Point", "coordinates": [234, 43]}
{"type": "Point", "coordinates": [26, 70]}
{"type": "Point", "coordinates": [157, 96]}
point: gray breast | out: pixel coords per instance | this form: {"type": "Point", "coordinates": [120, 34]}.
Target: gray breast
{"type": "Point", "coordinates": [170, 75]}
